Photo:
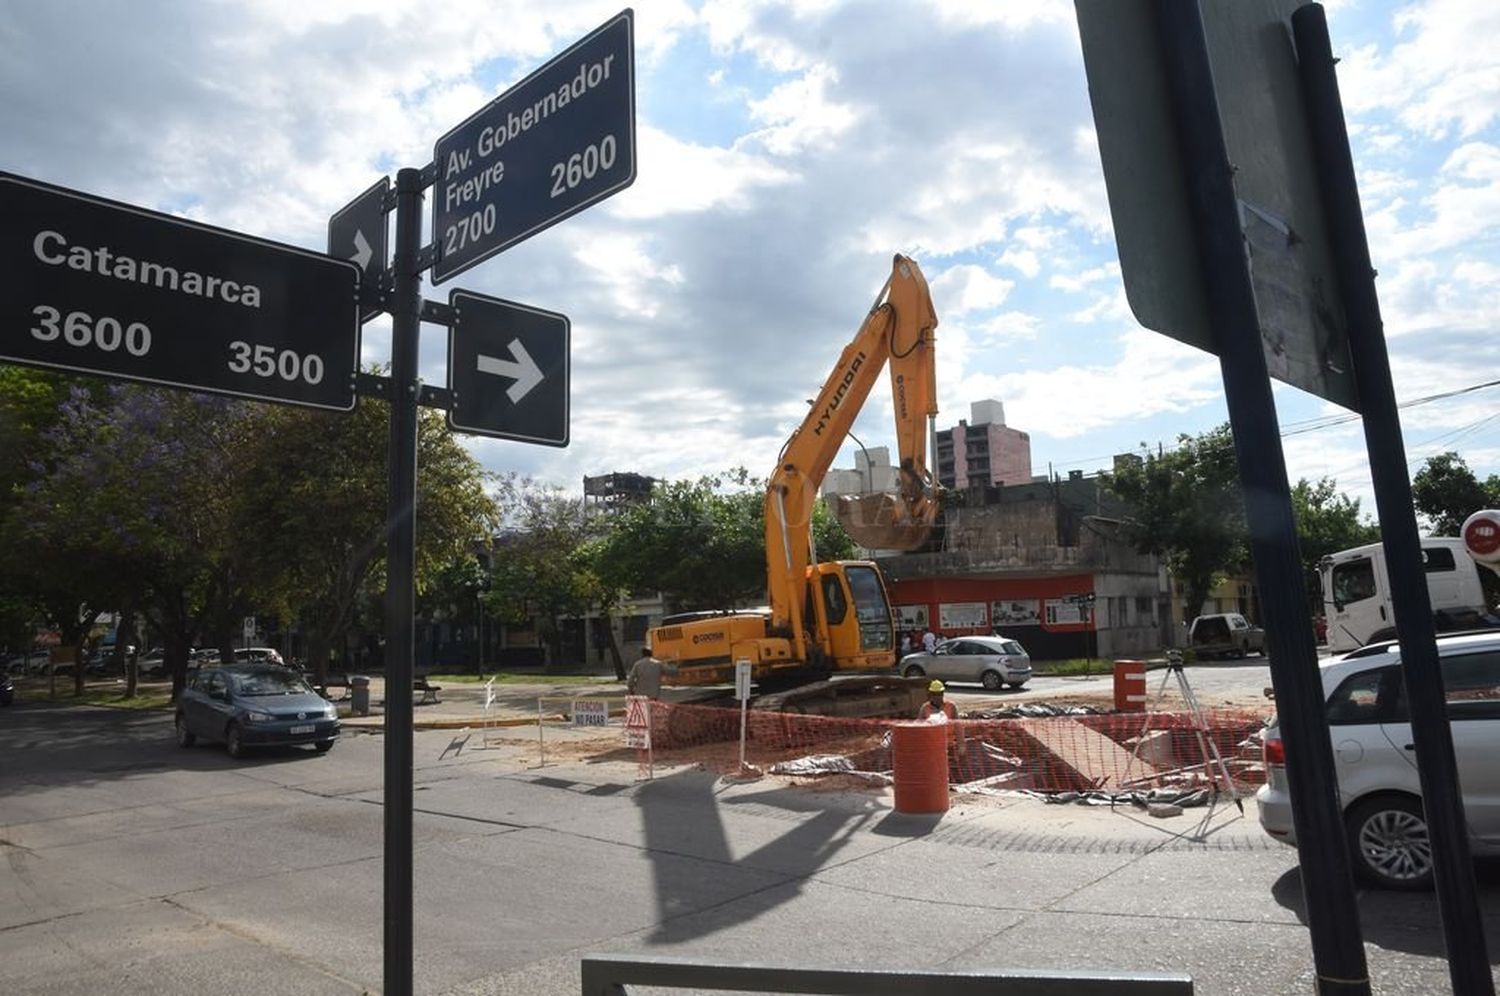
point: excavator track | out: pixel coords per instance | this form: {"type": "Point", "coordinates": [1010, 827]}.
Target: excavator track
{"type": "Point", "coordinates": [853, 697]}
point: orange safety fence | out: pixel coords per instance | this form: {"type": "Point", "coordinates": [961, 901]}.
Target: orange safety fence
{"type": "Point", "coordinates": [1064, 753]}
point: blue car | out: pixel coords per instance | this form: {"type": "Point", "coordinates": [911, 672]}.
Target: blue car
{"type": "Point", "coordinates": [254, 706]}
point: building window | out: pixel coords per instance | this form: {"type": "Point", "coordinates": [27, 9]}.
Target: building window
{"type": "Point", "coordinates": [635, 628]}
{"type": "Point", "coordinates": [1145, 609]}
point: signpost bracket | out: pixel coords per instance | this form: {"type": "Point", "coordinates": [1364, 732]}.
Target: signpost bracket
{"type": "Point", "coordinates": [437, 312]}
{"type": "Point", "coordinates": [372, 385]}
{"type": "Point", "coordinates": [429, 174]}
{"type": "Point", "coordinates": [435, 397]}
{"type": "Point", "coordinates": [427, 257]}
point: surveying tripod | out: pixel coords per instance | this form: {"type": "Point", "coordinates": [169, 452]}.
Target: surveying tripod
{"type": "Point", "coordinates": [1213, 762]}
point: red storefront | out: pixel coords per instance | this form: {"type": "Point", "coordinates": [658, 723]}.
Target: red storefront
{"type": "Point", "coordinates": [1043, 613]}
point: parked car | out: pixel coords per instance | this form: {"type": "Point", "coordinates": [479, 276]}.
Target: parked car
{"type": "Point", "coordinates": [1374, 760]}
{"type": "Point", "coordinates": [990, 660]}
{"type": "Point", "coordinates": [1225, 634]}
{"type": "Point", "coordinates": [248, 706]}
{"type": "Point", "coordinates": [258, 655]}
{"type": "Point", "coordinates": [7, 689]}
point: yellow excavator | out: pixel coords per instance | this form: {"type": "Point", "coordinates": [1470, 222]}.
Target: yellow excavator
{"type": "Point", "coordinates": [832, 620]}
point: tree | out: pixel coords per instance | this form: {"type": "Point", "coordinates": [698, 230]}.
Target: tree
{"type": "Point", "coordinates": [1446, 492]}
{"type": "Point", "coordinates": [1187, 508]}
{"type": "Point", "coordinates": [316, 507]}
{"type": "Point", "coordinates": [700, 543]}
{"type": "Point", "coordinates": [131, 511]}
{"type": "Point", "coordinates": [1327, 521]}
{"type": "Point", "coordinates": [545, 568]}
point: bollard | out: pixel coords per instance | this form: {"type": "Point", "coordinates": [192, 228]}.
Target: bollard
{"type": "Point", "coordinates": [1130, 686]}
{"type": "Point", "coordinates": [359, 693]}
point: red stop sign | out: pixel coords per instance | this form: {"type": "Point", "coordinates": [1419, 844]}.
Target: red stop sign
{"type": "Point", "coordinates": [1482, 537]}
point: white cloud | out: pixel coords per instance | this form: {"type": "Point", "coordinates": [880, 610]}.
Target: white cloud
{"type": "Point", "coordinates": [967, 288]}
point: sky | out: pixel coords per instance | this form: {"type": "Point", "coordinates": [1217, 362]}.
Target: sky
{"type": "Point", "coordinates": [785, 151]}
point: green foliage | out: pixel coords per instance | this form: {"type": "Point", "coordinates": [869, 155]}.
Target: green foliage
{"type": "Point", "coordinates": [1446, 492]}
{"type": "Point", "coordinates": [701, 543]}
{"type": "Point", "coordinates": [1327, 521]}
{"type": "Point", "coordinates": [317, 505]}
{"type": "Point", "coordinates": [1187, 508]}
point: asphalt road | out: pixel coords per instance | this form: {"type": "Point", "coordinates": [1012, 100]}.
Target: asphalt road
{"type": "Point", "coordinates": [134, 867]}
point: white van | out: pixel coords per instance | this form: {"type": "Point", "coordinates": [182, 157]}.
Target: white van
{"type": "Point", "coordinates": [1357, 592]}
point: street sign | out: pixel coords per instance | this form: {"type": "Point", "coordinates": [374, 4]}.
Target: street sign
{"type": "Point", "coordinates": [556, 142]}
{"type": "Point", "coordinates": [356, 232]}
{"type": "Point", "coordinates": [98, 287]}
{"type": "Point", "coordinates": [508, 369]}
{"type": "Point", "coordinates": [1304, 333]}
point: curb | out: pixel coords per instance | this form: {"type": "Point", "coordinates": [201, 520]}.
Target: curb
{"type": "Point", "coordinates": [437, 723]}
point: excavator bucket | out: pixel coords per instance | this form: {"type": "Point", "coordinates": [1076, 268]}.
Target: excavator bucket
{"type": "Point", "coordinates": [880, 521]}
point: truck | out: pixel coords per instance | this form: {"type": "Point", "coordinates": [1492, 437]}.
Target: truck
{"type": "Point", "coordinates": [826, 642]}
{"type": "Point", "coordinates": [1225, 634]}
{"type": "Point", "coordinates": [1357, 588]}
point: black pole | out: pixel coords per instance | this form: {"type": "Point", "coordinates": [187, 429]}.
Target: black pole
{"type": "Point", "coordinates": [1327, 885]}
{"type": "Point", "coordinates": [400, 599]}
{"type": "Point", "coordinates": [1453, 870]}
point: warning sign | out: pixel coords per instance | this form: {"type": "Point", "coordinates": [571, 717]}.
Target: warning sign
{"type": "Point", "coordinates": [590, 712]}
{"type": "Point", "coordinates": [637, 722]}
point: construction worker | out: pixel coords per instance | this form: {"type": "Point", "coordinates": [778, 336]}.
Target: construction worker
{"type": "Point", "coordinates": [645, 676]}
{"type": "Point", "coordinates": [936, 703]}
{"type": "Point", "coordinates": [936, 706]}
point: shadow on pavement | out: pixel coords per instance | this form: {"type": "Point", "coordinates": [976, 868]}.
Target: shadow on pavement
{"type": "Point", "coordinates": [1407, 921]}
{"type": "Point", "coordinates": [44, 746]}
{"type": "Point", "coordinates": [686, 804]}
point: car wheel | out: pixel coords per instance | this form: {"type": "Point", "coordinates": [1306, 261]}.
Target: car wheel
{"type": "Point", "coordinates": [914, 672]}
{"type": "Point", "coordinates": [991, 680]}
{"type": "Point", "coordinates": [1389, 843]}
{"type": "Point", "coordinates": [234, 741]}
{"type": "Point", "coordinates": [323, 746]}
{"type": "Point", "coordinates": [185, 737]}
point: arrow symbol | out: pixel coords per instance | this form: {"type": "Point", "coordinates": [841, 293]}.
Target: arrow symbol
{"type": "Point", "coordinates": [362, 250]}
{"type": "Point", "coordinates": [524, 370]}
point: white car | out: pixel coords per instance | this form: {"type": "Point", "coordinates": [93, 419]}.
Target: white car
{"type": "Point", "coordinates": [1375, 758]}
{"type": "Point", "coordinates": [990, 660]}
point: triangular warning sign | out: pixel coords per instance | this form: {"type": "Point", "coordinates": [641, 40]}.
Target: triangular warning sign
{"type": "Point", "coordinates": [635, 711]}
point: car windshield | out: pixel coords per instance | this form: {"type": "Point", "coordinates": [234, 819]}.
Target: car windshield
{"type": "Point", "coordinates": [1011, 647]}
{"type": "Point", "coordinates": [270, 683]}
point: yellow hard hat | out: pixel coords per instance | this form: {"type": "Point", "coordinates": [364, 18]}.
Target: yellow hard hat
{"type": "Point", "coordinates": [935, 686]}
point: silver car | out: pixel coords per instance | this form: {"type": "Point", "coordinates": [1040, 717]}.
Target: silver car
{"type": "Point", "coordinates": [1375, 760]}
{"type": "Point", "coordinates": [990, 660]}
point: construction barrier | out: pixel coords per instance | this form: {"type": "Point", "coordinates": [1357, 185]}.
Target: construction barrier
{"type": "Point", "coordinates": [1075, 752]}
{"type": "Point", "coordinates": [919, 762]}
{"type": "Point", "coordinates": [1130, 686]}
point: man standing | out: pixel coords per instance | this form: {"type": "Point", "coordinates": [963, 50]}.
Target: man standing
{"type": "Point", "coordinates": [929, 640]}
{"type": "Point", "coordinates": [936, 706]}
{"type": "Point", "coordinates": [645, 676]}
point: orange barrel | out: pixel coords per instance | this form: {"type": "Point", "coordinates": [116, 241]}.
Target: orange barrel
{"type": "Point", "coordinates": [919, 755]}
{"type": "Point", "coordinates": [1130, 686]}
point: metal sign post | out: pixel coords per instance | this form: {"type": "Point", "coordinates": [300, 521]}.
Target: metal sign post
{"type": "Point", "coordinates": [400, 592]}
{"type": "Point", "coordinates": [742, 692]}
{"type": "Point", "coordinates": [1453, 871]}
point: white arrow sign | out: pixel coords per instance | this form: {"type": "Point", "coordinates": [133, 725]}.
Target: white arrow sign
{"type": "Point", "coordinates": [362, 250]}
{"type": "Point", "coordinates": [524, 370]}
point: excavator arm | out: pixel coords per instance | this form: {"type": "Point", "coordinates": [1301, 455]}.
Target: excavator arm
{"type": "Point", "coordinates": [898, 331]}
